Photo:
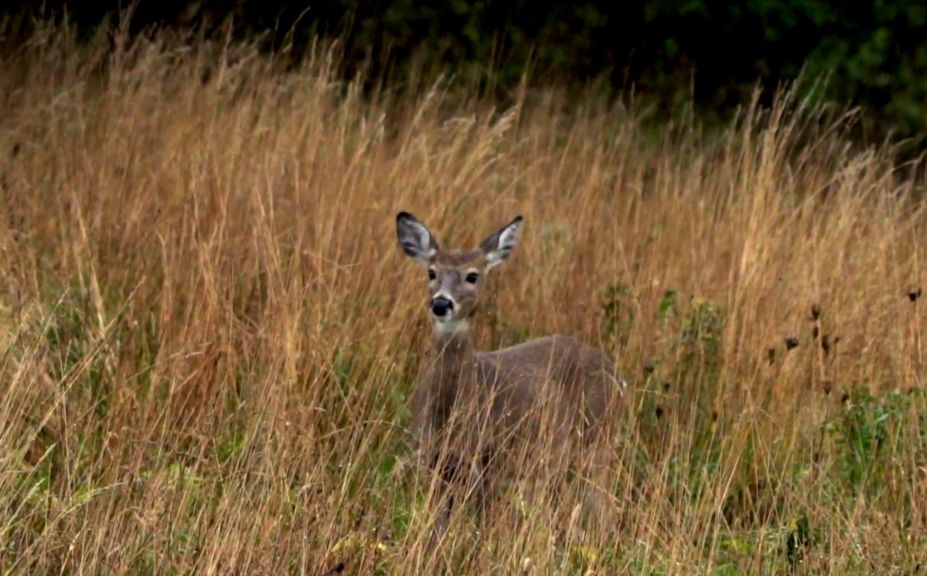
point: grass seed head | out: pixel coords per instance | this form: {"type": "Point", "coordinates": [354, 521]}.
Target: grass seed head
{"type": "Point", "coordinates": [914, 292]}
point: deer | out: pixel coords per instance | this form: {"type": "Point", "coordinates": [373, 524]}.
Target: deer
{"type": "Point", "coordinates": [473, 412]}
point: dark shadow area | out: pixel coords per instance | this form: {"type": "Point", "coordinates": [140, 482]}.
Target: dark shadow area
{"type": "Point", "coordinates": [671, 53]}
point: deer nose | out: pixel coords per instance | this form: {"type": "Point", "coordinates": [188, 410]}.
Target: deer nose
{"type": "Point", "coordinates": [440, 306]}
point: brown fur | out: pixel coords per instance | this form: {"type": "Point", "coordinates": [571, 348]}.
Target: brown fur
{"type": "Point", "coordinates": [478, 412]}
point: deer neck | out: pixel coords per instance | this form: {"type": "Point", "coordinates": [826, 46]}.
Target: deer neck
{"type": "Point", "coordinates": [452, 354]}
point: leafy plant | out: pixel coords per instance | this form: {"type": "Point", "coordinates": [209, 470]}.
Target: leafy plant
{"type": "Point", "coordinates": [862, 432]}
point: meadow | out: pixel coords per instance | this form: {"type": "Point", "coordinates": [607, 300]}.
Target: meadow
{"type": "Point", "coordinates": [209, 336]}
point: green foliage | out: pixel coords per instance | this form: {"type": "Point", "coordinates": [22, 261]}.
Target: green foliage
{"type": "Point", "coordinates": [700, 342]}
{"type": "Point", "coordinates": [697, 327]}
{"type": "Point", "coordinates": [798, 539]}
{"type": "Point", "coordinates": [617, 303]}
{"type": "Point", "coordinates": [668, 302]}
{"type": "Point", "coordinates": [231, 448]}
{"type": "Point", "coordinates": [862, 433]}
{"type": "Point", "coordinates": [670, 51]}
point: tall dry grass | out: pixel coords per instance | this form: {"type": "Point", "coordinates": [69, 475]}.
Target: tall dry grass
{"type": "Point", "coordinates": [209, 335]}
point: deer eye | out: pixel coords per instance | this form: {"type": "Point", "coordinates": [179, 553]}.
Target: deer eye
{"type": "Point", "coordinates": [472, 278]}
{"type": "Point", "coordinates": [432, 274]}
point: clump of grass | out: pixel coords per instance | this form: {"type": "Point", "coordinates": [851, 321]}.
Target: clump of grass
{"type": "Point", "coordinates": [209, 338]}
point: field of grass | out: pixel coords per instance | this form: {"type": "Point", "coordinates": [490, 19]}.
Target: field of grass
{"type": "Point", "coordinates": [209, 336]}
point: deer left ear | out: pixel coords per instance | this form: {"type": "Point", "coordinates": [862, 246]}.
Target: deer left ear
{"type": "Point", "coordinates": [499, 245]}
{"type": "Point", "coordinates": [415, 238]}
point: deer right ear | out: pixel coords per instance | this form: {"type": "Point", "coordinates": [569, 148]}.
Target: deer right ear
{"type": "Point", "coordinates": [415, 238]}
{"type": "Point", "coordinates": [499, 245]}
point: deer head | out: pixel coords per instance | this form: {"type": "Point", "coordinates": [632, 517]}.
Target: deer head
{"type": "Point", "coordinates": [454, 276]}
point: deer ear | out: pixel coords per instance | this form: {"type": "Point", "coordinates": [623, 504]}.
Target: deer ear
{"type": "Point", "coordinates": [499, 245]}
{"type": "Point", "coordinates": [415, 238]}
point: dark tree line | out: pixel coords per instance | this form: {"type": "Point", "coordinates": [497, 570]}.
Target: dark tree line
{"type": "Point", "coordinates": [713, 51]}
